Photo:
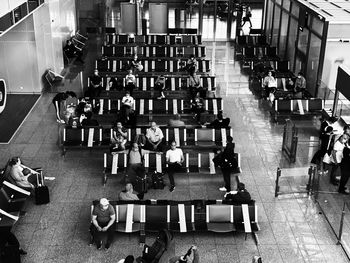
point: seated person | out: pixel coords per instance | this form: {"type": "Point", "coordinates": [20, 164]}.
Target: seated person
{"type": "Point", "coordinates": [270, 84]}
{"type": "Point", "coordinates": [160, 86]}
{"type": "Point", "coordinates": [197, 106]}
{"type": "Point", "coordinates": [128, 193]}
{"type": "Point", "coordinates": [191, 64]}
{"type": "Point", "coordinates": [241, 197]}
{"type": "Point", "coordinates": [176, 122]}
{"type": "Point", "coordinates": [154, 137]}
{"type": "Point", "coordinates": [87, 120]}
{"type": "Point", "coordinates": [136, 64]}
{"type": "Point", "coordinates": [300, 84]}
{"type": "Point", "coordinates": [84, 106]}
{"type": "Point", "coordinates": [103, 217]}
{"type": "Point", "coordinates": [72, 51]}
{"type": "Point", "coordinates": [194, 84]}
{"type": "Point", "coordinates": [220, 122]}
{"type": "Point", "coordinates": [130, 82]}
{"type": "Point", "coordinates": [115, 84]}
{"type": "Point", "coordinates": [127, 104]}
{"type": "Point", "coordinates": [119, 138]}
{"type": "Point", "coordinates": [95, 87]}
{"type": "Point", "coordinates": [21, 174]}
{"type": "Point", "coordinates": [135, 163]}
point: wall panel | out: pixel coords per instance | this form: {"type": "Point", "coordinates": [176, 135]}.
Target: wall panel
{"type": "Point", "coordinates": [158, 18]}
{"type": "Point", "coordinates": [128, 16]}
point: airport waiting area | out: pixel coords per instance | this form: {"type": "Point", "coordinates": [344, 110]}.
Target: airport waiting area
{"type": "Point", "coordinates": [155, 131]}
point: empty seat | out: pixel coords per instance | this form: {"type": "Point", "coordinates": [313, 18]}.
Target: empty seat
{"type": "Point", "coordinates": [102, 65]}
{"type": "Point", "coordinates": [282, 66]}
{"type": "Point", "coordinates": [204, 137]}
{"type": "Point", "coordinates": [156, 217]}
{"type": "Point", "coordinates": [161, 40]}
{"type": "Point", "coordinates": [139, 39]}
{"type": "Point", "coordinates": [128, 217]}
{"type": "Point", "coordinates": [12, 197]}
{"type": "Point", "coordinates": [181, 217]}
{"type": "Point", "coordinates": [220, 218]}
{"type": "Point", "coordinates": [107, 51]}
{"type": "Point", "coordinates": [122, 39]}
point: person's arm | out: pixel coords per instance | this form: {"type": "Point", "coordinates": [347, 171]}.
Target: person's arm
{"type": "Point", "coordinates": [182, 159]}
{"type": "Point", "coordinates": [303, 83]}
{"type": "Point", "coordinates": [124, 133]}
{"type": "Point", "coordinates": [195, 255]}
{"type": "Point", "coordinates": [30, 169]}
{"type": "Point", "coordinates": [17, 175]}
{"type": "Point", "coordinates": [94, 221]}
{"type": "Point", "coordinates": [167, 157]}
{"type": "Point", "coordinates": [111, 221]}
{"type": "Point", "coordinates": [57, 110]}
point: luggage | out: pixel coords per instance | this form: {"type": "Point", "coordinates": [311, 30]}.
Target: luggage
{"type": "Point", "coordinates": [141, 185]}
{"type": "Point", "coordinates": [42, 195]}
{"type": "Point", "coordinates": [10, 254]}
{"type": "Point", "coordinates": [158, 180]}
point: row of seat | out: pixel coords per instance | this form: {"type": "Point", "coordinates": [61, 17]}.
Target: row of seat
{"type": "Point", "coordinates": [154, 51]}
{"type": "Point", "coordinates": [98, 136]}
{"type": "Point", "coordinates": [258, 54]}
{"type": "Point", "coordinates": [195, 162]}
{"type": "Point", "coordinates": [254, 41]}
{"type": "Point", "coordinates": [149, 106]}
{"type": "Point", "coordinates": [173, 82]}
{"type": "Point", "coordinates": [116, 39]}
{"type": "Point", "coordinates": [185, 216]}
{"type": "Point", "coordinates": [12, 201]}
{"type": "Point", "coordinates": [300, 107]}
{"type": "Point", "coordinates": [151, 65]}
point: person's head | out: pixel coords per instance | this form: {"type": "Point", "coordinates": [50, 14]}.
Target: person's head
{"type": "Point", "coordinates": [344, 138]}
{"type": "Point", "coordinates": [135, 147]}
{"type": "Point", "coordinates": [347, 130]}
{"type": "Point", "coordinates": [229, 138]}
{"type": "Point", "coordinates": [173, 145]}
{"type": "Point", "coordinates": [198, 94]}
{"type": "Point", "coordinates": [153, 125]}
{"type": "Point", "coordinates": [241, 186]}
{"type": "Point", "coordinates": [119, 125]}
{"type": "Point", "coordinates": [216, 150]}
{"type": "Point", "coordinates": [177, 117]}
{"type": "Point", "coordinates": [96, 72]}
{"type": "Point", "coordinates": [300, 74]}
{"type": "Point", "coordinates": [269, 73]}
{"type": "Point", "coordinates": [135, 57]}
{"type": "Point", "coordinates": [127, 94]}
{"type": "Point", "coordinates": [130, 71]}
{"type": "Point", "coordinates": [128, 187]}
{"type": "Point", "coordinates": [15, 161]}
{"type": "Point", "coordinates": [68, 42]}
{"type": "Point", "coordinates": [129, 259]}
{"type": "Point", "coordinates": [192, 57]}
{"type": "Point", "coordinates": [104, 203]}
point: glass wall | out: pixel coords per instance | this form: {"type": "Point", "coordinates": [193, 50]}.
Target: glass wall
{"type": "Point", "coordinates": [297, 32]}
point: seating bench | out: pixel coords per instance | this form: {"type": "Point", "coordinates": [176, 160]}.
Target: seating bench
{"type": "Point", "coordinates": [217, 216]}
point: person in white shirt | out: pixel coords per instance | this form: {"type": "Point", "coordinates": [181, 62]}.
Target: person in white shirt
{"type": "Point", "coordinates": [130, 81]}
{"type": "Point", "coordinates": [269, 83]}
{"type": "Point", "coordinates": [154, 137]}
{"type": "Point", "coordinates": [127, 104]}
{"type": "Point", "coordinates": [174, 159]}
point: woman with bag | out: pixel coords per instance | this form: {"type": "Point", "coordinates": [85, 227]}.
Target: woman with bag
{"type": "Point", "coordinates": [337, 156]}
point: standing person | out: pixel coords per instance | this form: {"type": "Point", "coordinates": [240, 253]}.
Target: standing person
{"type": "Point", "coordinates": [103, 217]}
{"type": "Point", "coordinates": [248, 15]}
{"type": "Point", "coordinates": [337, 156]}
{"type": "Point", "coordinates": [228, 164]}
{"type": "Point", "coordinates": [154, 136]}
{"type": "Point", "coordinates": [95, 87]}
{"type": "Point", "coordinates": [345, 170]}
{"type": "Point", "coordinates": [160, 86]}
{"type": "Point", "coordinates": [174, 159]}
{"type": "Point", "coordinates": [130, 82]}
{"type": "Point", "coordinates": [186, 257]}
{"type": "Point", "coordinates": [57, 100]}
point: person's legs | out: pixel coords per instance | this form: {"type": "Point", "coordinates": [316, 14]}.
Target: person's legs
{"type": "Point", "coordinates": [96, 235]}
{"type": "Point", "coordinates": [344, 178]}
{"type": "Point", "coordinates": [332, 176]}
{"type": "Point", "coordinates": [57, 109]}
{"type": "Point", "coordinates": [227, 179]}
{"type": "Point", "coordinates": [171, 171]}
{"type": "Point", "coordinates": [110, 235]}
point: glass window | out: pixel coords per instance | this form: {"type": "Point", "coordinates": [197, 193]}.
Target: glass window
{"type": "Point", "coordinates": [283, 34]}
{"type": "Point", "coordinates": [276, 26]}
{"type": "Point", "coordinates": [292, 36]}
{"type": "Point", "coordinates": [295, 9]}
{"type": "Point", "coordinates": [303, 40]}
{"type": "Point", "coordinates": [286, 4]}
{"type": "Point", "coordinates": [317, 25]}
{"type": "Point", "coordinates": [313, 63]}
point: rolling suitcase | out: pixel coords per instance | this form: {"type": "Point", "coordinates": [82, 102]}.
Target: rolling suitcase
{"type": "Point", "coordinates": [141, 185]}
{"type": "Point", "coordinates": [42, 195]}
{"type": "Point", "coordinates": [158, 180]}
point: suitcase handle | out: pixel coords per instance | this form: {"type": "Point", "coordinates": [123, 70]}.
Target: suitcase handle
{"type": "Point", "coordinates": [40, 173]}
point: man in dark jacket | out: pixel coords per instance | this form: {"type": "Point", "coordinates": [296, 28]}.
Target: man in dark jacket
{"type": "Point", "coordinates": [242, 196]}
{"type": "Point", "coordinates": [345, 170]}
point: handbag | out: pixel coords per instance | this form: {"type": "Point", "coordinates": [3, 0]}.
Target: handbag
{"type": "Point", "coordinates": [327, 159]}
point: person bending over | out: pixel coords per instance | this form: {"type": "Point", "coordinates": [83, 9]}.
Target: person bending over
{"type": "Point", "coordinates": [154, 137]}
{"type": "Point", "coordinates": [103, 217]}
{"type": "Point", "coordinates": [57, 100]}
{"type": "Point", "coordinates": [174, 159]}
{"type": "Point", "coordinates": [220, 122]}
{"type": "Point", "coordinates": [241, 197]}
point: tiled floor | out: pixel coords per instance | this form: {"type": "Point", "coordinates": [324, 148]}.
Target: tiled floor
{"type": "Point", "coordinates": [292, 230]}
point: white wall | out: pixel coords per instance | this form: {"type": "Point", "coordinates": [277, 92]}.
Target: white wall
{"type": "Point", "coordinates": [8, 5]}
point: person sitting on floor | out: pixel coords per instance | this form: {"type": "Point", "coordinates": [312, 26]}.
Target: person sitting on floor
{"type": "Point", "coordinates": [154, 137]}
{"type": "Point", "coordinates": [220, 122]}
{"type": "Point", "coordinates": [176, 122]}
{"type": "Point", "coordinates": [128, 194]}
{"type": "Point", "coordinates": [21, 174]}
{"type": "Point", "coordinates": [103, 217]}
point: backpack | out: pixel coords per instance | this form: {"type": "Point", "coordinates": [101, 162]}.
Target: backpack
{"type": "Point", "coordinates": [158, 180]}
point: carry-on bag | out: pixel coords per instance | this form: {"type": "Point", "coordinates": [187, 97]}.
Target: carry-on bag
{"type": "Point", "coordinates": [42, 195]}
